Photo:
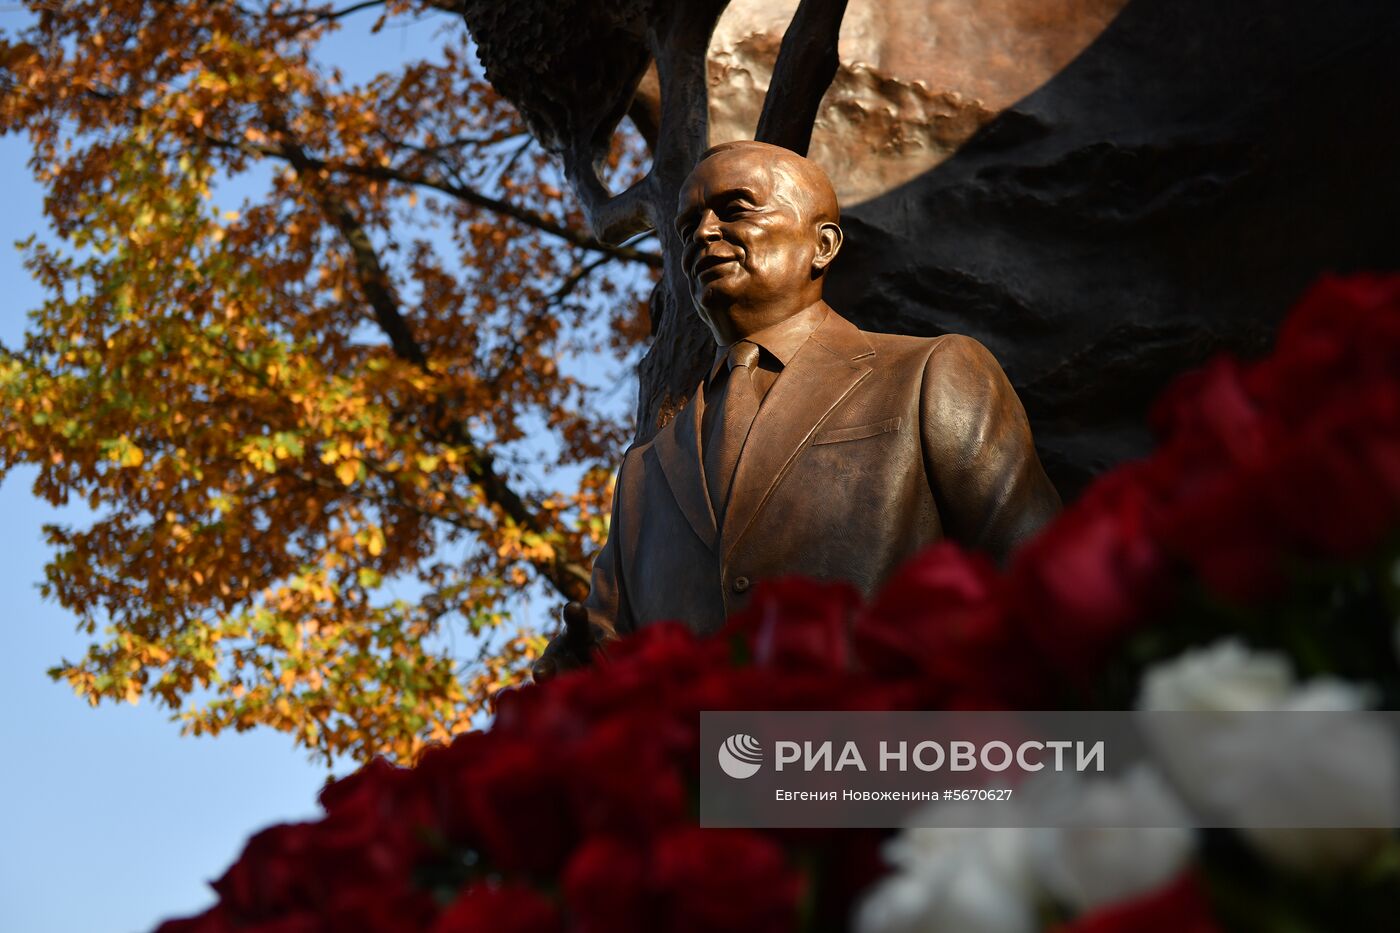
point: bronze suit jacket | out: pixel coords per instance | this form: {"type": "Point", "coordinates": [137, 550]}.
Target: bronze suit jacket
{"type": "Point", "coordinates": [867, 448]}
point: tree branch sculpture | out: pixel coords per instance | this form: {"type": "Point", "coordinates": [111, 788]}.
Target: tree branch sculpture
{"type": "Point", "coordinates": [572, 98]}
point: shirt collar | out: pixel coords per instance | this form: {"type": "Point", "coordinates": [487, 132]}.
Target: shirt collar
{"type": "Point", "coordinates": [782, 340]}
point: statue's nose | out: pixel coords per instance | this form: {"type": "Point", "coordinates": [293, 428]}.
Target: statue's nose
{"type": "Point", "coordinates": [707, 230]}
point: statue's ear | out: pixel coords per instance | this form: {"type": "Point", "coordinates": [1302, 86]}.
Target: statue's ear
{"type": "Point", "coordinates": [829, 239]}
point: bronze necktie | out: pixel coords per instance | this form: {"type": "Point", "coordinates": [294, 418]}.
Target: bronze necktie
{"type": "Point", "coordinates": [738, 408]}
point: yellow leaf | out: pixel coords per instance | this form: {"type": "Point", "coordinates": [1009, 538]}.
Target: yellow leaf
{"type": "Point", "coordinates": [133, 456]}
{"type": "Point", "coordinates": [375, 545]}
{"type": "Point", "coordinates": [348, 471]}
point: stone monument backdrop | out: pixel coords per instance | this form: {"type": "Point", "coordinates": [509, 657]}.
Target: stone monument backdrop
{"type": "Point", "coordinates": [1104, 192]}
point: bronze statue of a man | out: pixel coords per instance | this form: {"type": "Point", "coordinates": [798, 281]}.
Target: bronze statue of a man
{"type": "Point", "coordinates": [811, 447]}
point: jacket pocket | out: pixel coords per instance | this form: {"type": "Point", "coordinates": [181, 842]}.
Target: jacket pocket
{"type": "Point", "coordinates": [837, 435]}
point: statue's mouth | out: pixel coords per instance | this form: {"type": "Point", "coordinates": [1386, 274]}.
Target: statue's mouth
{"type": "Point", "coordinates": [708, 262]}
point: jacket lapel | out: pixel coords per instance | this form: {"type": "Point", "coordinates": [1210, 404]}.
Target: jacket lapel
{"type": "Point", "coordinates": [820, 376]}
{"type": "Point", "coordinates": [677, 446]}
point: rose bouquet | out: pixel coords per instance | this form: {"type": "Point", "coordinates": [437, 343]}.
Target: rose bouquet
{"type": "Point", "coordinates": [1249, 563]}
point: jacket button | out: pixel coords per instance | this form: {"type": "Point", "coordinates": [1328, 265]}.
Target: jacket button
{"type": "Point", "coordinates": [741, 584]}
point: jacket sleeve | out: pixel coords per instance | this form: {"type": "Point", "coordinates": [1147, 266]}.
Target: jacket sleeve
{"type": "Point", "coordinates": [608, 609]}
{"type": "Point", "coordinates": [991, 490]}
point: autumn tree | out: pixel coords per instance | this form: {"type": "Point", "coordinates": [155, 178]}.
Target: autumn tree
{"type": "Point", "coordinates": [357, 382]}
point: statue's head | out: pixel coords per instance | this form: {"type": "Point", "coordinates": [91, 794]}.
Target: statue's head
{"type": "Point", "coordinates": [758, 227]}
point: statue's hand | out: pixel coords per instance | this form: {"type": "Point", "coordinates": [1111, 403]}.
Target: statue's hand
{"type": "Point", "coordinates": [572, 648]}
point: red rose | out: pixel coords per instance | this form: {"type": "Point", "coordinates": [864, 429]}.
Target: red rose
{"type": "Point", "coordinates": [1332, 487]}
{"type": "Point", "coordinates": [1093, 576]}
{"type": "Point", "coordinates": [443, 776]}
{"type": "Point", "coordinates": [273, 875]}
{"type": "Point", "coordinates": [518, 804]}
{"type": "Point", "coordinates": [316, 868]}
{"type": "Point", "coordinates": [628, 776]}
{"type": "Point", "coordinates": [369, 846]}
{"type": "Point", "coordinates": [1343, 332]}
{"type": "Point", "coordinates": [670, 645]}
{"type": "Point", "coordinates": [364, 788]}
{"type": "Point", "coordinates": [723, 881]}
{"type": "Point", "coordinates": [943, 600]}
{"type": "Point", "coordinates": [1377, 448]}
{"type": "Point", "coordinates": [1210, 417]}
{"type": "Point", "coordinates": [1220, 445]}
{"type": "Point", "coordinates": [796, 623]}
{"type": "Point", "coordinates": [759, 689]}
{"type": "Point", "coordinates": [606, 888]}
{"type": "Point", "coordinates": [509, 908]}
{"type": "Point", "coordinates": [943, 618]}
{"type": "Point", "coordinates": [311, 921]}
{"type": "Point", "coordinates": [214, 920]}
{"type": "Point", "coordinates": [1180, 907]}
{"type": "Point", "coordinates": [1296, 457]}
{"type": "Point", "coordinates": [633, 672]}
{"type": "Point", "coordinates": [1228, 529]}
{"type": "Point", "coordinates": [1334, 374]}
{"type": "Point", "coordinates": [386, 906]}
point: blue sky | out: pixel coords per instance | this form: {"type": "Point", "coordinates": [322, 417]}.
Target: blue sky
{"type": "Point", "coordinates": [112, 820]}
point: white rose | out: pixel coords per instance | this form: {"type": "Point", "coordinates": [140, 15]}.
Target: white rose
{"type": "Point", "coordinates": [1257, 771]}
{"type": "Point", "coordinates": [1097, 859]}
{"type": "Point", "coordinates": [1225, 677]}
{"type": "Point", "coordinates": [968, 880]}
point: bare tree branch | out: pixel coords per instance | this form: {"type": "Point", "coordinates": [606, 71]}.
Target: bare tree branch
{"type": "Point", "coordinates": [456, 190]}
{"type": "Point", "coordinates": [328, 12]}
{"type": "Point", "coordinates": [435, 151]}
{"type": "Point", "coordinates": [431, 181]}
{"type": "Point", "coordinates": [575, 277]}
{"type": "Point", "coordinates": [369, 272]}
{"type": "Point", "coordinates": [807, 61]}
{"type": "Point", "coordinates": [511, 359]}
{"type": "Point", "coordinates": [679, 40]}
{"type": "Point", "coordinates": [328, 15]}
{"type": "Point", "coordinates": [645, 109]}
{"type": "Point", "coordinates": [311, 16]}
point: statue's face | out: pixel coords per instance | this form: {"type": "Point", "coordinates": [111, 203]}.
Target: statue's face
{"type": "Point", "coordinates": [746, 244]}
